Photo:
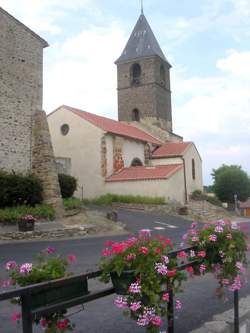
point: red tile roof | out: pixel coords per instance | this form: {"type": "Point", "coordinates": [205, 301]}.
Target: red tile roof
{"type": "Point", "coordinates": [245, 204]}
{"type": "Point", "coordinates": [172, 149]}
{"type": "Point", "coordinates": [114, 126]}
{"type": "Point", "coordinates": [145, 173]}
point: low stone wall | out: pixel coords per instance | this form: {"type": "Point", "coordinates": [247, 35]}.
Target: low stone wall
{"type": "Point", "coordinates": [224, 323]}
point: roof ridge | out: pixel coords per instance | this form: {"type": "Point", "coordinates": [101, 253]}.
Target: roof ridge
{"type": "Point", "coordinates": [112, 126]}
{"type": "Point", "coordinates": [113, 120]}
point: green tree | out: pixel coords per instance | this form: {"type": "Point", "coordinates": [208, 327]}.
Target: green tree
{"type": "Point", "coordinates": [230, 180]}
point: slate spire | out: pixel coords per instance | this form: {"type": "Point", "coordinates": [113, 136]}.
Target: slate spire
{"type": "Point", "coordinates": [142, 43]}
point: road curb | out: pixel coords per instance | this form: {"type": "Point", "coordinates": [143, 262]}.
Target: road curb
{"type": "Point", "coordinates": [224, 322]}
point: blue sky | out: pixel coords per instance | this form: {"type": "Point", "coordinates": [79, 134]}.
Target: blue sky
{"type": "Point", "coordinates": [207, 43]}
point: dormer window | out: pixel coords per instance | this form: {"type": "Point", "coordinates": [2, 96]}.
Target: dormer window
{"type": "Point", "coordinates": [135, 115]}
{"type": "Point", "coordinates": [135, 74]}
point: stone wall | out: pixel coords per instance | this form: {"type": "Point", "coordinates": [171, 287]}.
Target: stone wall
{"type": "Point", "coordinates": [43, 163]}
{"type": "Point", "coordinates": [21, 61]}
{"type": "Point", "coordinates": [25, 144]}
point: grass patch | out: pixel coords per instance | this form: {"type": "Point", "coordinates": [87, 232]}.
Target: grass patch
{"type": "Point", "coordinates": [72, 203]}
{"type": "Point", "coordinates": [109, 198]}
{"type": "Point", "coordinates": [12, 214]}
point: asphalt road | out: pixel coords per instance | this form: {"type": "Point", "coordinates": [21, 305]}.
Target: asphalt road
{"type": "Point", "coordinates": [101, 316]}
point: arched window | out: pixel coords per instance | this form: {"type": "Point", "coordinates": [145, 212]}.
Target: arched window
{"type": "Point", "coordinates": [136, 162]}
{"type": "Point", "coordinates": [193, 169]}
{"type": "Point", "coordinates": [135, 115]}
{"type": "Point", "coordinates": [162, 74]}
{"type": "Point", "coordinates": [135, 73]}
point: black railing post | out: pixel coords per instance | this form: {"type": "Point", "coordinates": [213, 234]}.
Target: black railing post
{"type": "Point", "coordinates": [26, 314]}
{"type": "Point", "coordinates": [171, 311]}
{"type": "Point", "coordinates": [236, 312]}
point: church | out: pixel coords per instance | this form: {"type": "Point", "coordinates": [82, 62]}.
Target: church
{"type": "Point", "coordinates": [139, 154]}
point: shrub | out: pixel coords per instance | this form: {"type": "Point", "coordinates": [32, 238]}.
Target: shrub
{"type": "Point", "coordinates": [109, 198]}
{"type": "Point", "coordinates": [214, 201]}
{"type": "Point", "coordinates": [72, 203]}
{"type": "Point", "coordinates": [13, 214]}
{"type": "Point", "coordinates": [68, 185]}
{"type": "Point", "coordinates": [17, 189]}
{"type": "Point", "coordinates": [199, 195]}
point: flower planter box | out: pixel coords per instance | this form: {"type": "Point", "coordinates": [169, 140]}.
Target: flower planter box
{"type": "Point", "coordinates": [121, 283]}
{"type": "Point", "coordinates": [60, 294]}
{"type": "Point", "coordinates": [25, 226]}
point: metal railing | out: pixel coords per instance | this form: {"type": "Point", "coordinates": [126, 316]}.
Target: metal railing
{"type": "Point", "coordinates": [29, 312]}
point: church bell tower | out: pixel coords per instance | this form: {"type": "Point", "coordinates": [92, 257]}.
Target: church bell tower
{"type": "Point", "coordinates": [144, 80]}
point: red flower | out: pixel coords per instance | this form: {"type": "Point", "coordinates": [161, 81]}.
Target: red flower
{"type": "Point", "coordinates": [63, 324]}
{"type": "Point", "coordinates": [182, 254]}
{"type": "Point", "coordinates": [201, 254]}
{"type": "Point", "coordinates": [71, 258]}
{"type": "Point", "coordinates": [109, 243]}
{"type": "Point", "coordinates": [106, 253]}
{"type": "Point", "coordinates": [171, 273]}
{"type": "Point", "coordinates": [158, 250]}
{"type": "Point", "coordinates": [118, 248]}
{"type": "Point", "coordinates": [190, 269]}
{"type": "Point", "coordinates": [144, 250]}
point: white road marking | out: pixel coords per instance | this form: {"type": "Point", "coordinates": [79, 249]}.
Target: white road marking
{"type": "Point", "coordinates": [167, 225]}
{"type": "Point", "coordinates": [159, 228]}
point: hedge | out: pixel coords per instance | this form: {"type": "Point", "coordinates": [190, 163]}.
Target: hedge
{"type": "Point", "coordinates": [17, 189]}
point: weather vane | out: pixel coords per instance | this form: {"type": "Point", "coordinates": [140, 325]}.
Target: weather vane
{"type": "Point", "coordinates": [141, 6]}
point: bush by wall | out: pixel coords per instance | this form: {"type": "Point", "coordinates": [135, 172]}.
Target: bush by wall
{"type": "Point", "coordinates": [68, 185]}
{"type": "Point", "coordinates": [16, 189]}
{"type": "Point", "coordinates": [13, 214]}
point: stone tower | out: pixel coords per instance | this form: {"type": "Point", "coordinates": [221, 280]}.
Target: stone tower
{"type": "Point", "coordinates": [25, 145]}
{"type": "Point", "coordinates": [144, 80]}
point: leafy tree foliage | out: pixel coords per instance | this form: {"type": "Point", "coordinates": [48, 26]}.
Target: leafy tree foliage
{"type": "Point", "coordinates": [230, 180]}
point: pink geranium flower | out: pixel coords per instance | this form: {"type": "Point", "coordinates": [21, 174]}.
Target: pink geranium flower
{"type": "Point", "coordinates": [71, 258]}
{"type": "Point", "coordinates": [156, 321]}
{"type": "Point", "coordinates": [50, 250]}
{"type": "Point", "coordinates": [10, 265]}
{"type": "Point", "coordinates": [165, 297]}
{"type": "Point", "coordinates": [16, 316]}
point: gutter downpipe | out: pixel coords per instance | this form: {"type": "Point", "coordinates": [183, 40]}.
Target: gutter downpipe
{"type": "Point", "coordinates": [185, 180]}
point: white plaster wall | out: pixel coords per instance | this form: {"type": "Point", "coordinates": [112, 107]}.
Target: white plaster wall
{"type": "Point", "coordinates": [197, 183]}
{"type": "Point", "coordinates": [170, 189]}
{"type": "Point", "coordinates": [83, 146]}
{"type": "Point", "coordinates": [131, 150]}
{"type": "Point", "coordinates": [164, 161]}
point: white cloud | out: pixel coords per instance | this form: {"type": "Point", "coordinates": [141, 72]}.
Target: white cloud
{"type": "Point", "coordinates": [237, 63]}
{"type": "Point", "coordinates": [216, 112]}
{"type": "Point", "coordinates": [82, 73]}
{"type": "Point", "coordinates": [42, 15]}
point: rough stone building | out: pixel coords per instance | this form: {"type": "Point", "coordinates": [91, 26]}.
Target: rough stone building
{"type": "Point", "coordinates": [139, 154]}
{"type": "Point", "coordinates": [25, 145]}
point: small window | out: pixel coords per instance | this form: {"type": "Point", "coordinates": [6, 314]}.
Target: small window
{"type": "Point", "coordinates": [162, 74]}
{"type": "Point", "coordinates": [65, 129]}
{"type": "Point", "coordinates": [193, 169]}
{"type": "Point", "coordinates": [136, 162]}
{"type": "Point", "coordinates": [135, 73]}
{"type": "Point", "coordinates": [135, 115]}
